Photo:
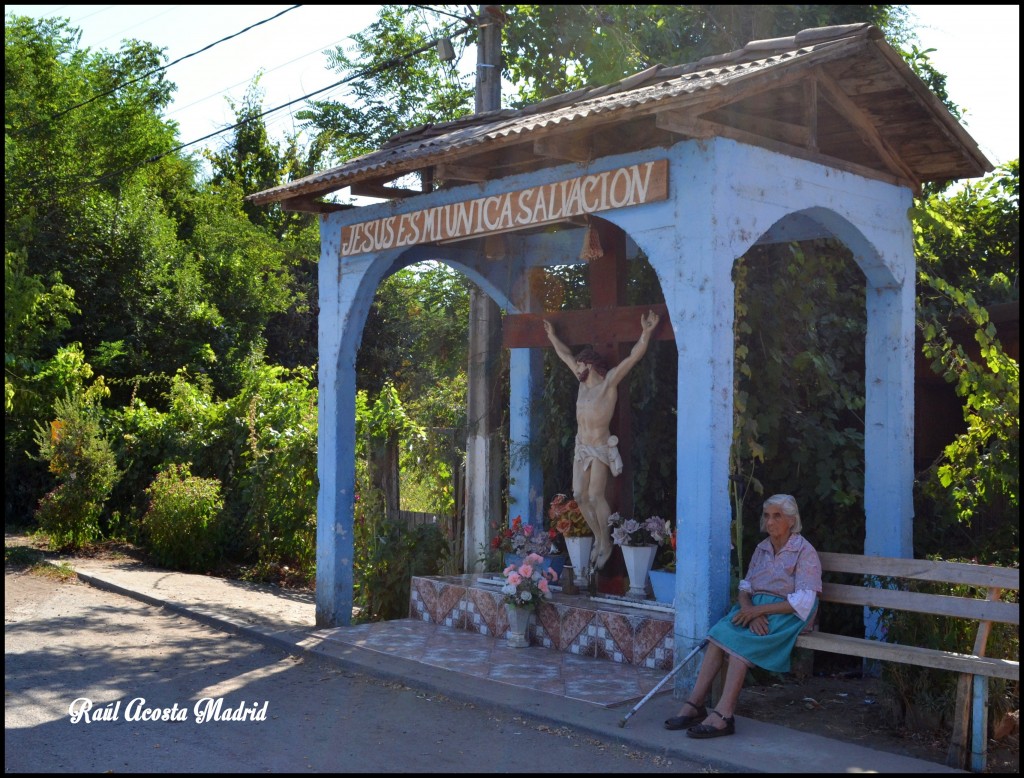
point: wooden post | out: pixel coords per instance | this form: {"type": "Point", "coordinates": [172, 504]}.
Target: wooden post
{"type": "Point", "coordinates": [958, 753]}
{"type": "Point", "coordinates": [483, 453]}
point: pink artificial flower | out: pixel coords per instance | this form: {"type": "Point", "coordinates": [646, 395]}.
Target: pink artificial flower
{"type": "Point", "coordinates": [515, 579]}
{"type": "Point", "coordinates": [542, 584]}
{"type": "Point", "coordinates": [553, 573]}
{"type": "Point", "coordinates": [526, 570]}
{"type": "Point", "coordinates": [533, 558]}
{"type": "Point", "coordinates": [528, 530]}
{"type": "Point", "coordinates": [508, 569]}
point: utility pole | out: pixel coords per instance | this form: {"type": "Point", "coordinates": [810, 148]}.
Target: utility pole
{"type": "Point", "coordinates": [483, 450]}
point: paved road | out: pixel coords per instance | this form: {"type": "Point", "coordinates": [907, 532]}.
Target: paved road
{"type": "Point", "coordinates": [65, 641]}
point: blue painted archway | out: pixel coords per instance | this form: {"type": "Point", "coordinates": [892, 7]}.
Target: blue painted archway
{"type": "Point", "coordinates": [723, 197]}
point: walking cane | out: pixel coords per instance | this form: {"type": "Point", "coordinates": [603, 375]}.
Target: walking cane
{"type": "Point", "coordinates": [662, 682]}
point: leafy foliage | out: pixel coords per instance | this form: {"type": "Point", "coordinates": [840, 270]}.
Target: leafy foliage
{"type": "Point", "coordinates": [393, 555]}
{"type": "Point", "coordinates": [396, 92]}
{"type": "Point", "coordinates": [799, 388]}
{"type": "Point", "coordinates": [83, 463]}
{"type": "Point", "coordinates": [280, 477]}
{"type": "Point", "coordinates": [968, 246]}
{"type": "Point", "coordinates": [181, 524]}
{"type": "Point", "coordinates": [551, 49]}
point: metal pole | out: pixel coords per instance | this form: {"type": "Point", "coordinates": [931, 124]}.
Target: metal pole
{"type": "Point", "coordinates": [664, 680]}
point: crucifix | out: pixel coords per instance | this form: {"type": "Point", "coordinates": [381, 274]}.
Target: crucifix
{"type": "Point", "coordinates": [611, 329]}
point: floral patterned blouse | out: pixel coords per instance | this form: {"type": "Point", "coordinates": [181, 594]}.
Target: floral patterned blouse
{"type": "Point", "coordinates": [793, 573]}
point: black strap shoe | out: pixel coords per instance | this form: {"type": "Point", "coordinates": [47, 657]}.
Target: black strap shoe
{"type": "Point", "coordinates": [685, 722]}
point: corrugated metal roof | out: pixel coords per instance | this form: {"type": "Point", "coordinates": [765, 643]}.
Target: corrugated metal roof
{"type": "Point", "coordinates": [646, 92]}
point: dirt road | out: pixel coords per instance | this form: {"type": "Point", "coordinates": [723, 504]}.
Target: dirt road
{"type": "Point", "coordinates": [66, 641]}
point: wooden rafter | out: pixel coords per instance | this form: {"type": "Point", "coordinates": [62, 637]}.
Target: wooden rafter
{"type": "Point", "coordinates": [310, 204]}
{"type": "Point", "coordinates": [834, 95]}
{"type": "Point", "coordinates": [378, 189]}
{"type": "Point", "coordinates": [472, 173]}
{"type": "Point", "coordinates": [572, 148]}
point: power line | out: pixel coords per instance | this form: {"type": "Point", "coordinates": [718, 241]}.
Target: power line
{"type": "Point", "coordinates": [368, 72]}
{"type": "Point", "coordinates": [110, 91]}
{"type": "Point", "coordinates": [315, 50]}
{"type": "Point", "coordinates": [379, 68]}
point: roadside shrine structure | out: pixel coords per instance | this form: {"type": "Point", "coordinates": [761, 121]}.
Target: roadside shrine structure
{"type": "Point", "coordinates": [827, 133]}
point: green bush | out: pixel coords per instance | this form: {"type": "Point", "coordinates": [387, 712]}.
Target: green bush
{"type": "Point", "coordinates": [385, 569]}
{"type": "Point", "coordinates": [276, 482]}
{"type": "Point", "coordinates": [83, 462]}
{"type": "Point", "coordinates": [181, 525]}
{"type": "Point", "coordinates": [196, 427]}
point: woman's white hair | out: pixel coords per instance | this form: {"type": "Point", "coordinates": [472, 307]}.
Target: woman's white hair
{"type": "Point", "coordinates": [788, 504]}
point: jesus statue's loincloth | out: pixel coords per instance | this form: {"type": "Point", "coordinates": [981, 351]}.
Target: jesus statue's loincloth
{"type": "Point", "coordinates": [609, 454]}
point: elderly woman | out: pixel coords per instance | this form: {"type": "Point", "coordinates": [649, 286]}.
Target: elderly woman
{"type": "Point", "coordinates": [776, 599]}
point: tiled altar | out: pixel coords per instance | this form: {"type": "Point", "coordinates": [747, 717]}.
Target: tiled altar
{"type": "Point", "coordinates": [574, 624]}
{"type": "Point", "coordinates": [603, 653]}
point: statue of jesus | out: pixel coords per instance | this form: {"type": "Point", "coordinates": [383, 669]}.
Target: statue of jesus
{"type": "Point", "coordinates": [597, 452]}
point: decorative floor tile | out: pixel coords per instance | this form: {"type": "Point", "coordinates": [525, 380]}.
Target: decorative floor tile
{"type": "Point", "coordinates": [604, 654]}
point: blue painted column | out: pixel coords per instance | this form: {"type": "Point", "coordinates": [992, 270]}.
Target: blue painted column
{"type": "Point", "coordinates": [335, 463]}
{"type": "Point", "coordinates": [526, 483]}
{"type": "Point", "coordinates": [889, 421]}
{"type": "Point", "coordinates": [681, 238]}
{"type": "Point", "coordinates": [346, 293]}
{"type": "Point", "coordinates": [889, 416]}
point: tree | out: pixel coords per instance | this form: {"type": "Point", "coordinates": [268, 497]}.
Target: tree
{"type": "Point", "coordinates": [398, 88]}
{"type": "Point", "coordinates": [969, 258]}
{"type": "Point", "coordinates": [552, 49]}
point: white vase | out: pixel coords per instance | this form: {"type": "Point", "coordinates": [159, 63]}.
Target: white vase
{"type": "Point", "coordinates": [518, 621]}
{"type": "Point", "coordinates": [579, 552]}
{"type": "Point", "coordinates": [639, 560]}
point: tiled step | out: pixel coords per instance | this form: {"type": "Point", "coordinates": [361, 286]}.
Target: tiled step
{"type": "Point", "coordinates": [597, 627]}
{"type": "Point", "coordinates": [607, 684]}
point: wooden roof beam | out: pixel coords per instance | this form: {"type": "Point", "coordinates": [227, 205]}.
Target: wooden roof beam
{"type": "Point", "coordinates": [772, 128]}
{"type": "Point", "coordinates": [683, 122]}
{"type": "Point", "coordinates": [811, 112]}
{"type": "Point", "coordinates": [454, 172]}
{"type": "Point", "coordinates": [570, 147]}
{"type": "Point", "coordinates": [692, 127]}
{"type": "Point", "coordinates": [834, 95]}
{"type": "Point", "coordinates": [377, 189]}
{"type": "Point", "coordinates": [310, 204]}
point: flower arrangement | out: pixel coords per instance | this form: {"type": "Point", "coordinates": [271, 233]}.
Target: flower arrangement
{"type": "Point", "coordinates": [567, 518]}
{"type": "Point", "coordinates": [522, 539]}
{"type": "Point", "coordinates": [630, 532]}
{"type": "Point", "coordinates": [668, 563]}
{"type": "Point", "coordinates": [526, 584]}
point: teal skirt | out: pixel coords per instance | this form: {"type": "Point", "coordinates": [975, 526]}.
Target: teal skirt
{"type": "Point", "coordinates": [771, 651]}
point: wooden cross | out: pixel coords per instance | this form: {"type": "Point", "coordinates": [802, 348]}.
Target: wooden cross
{"type": "Point", "coordinates": [612, 329]}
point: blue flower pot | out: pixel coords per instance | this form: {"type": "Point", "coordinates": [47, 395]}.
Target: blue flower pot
{"type": "Point", "coordinates": [664, 585]}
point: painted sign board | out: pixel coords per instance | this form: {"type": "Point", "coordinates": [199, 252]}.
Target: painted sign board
{"type": "Point", "coordinates": [622, 187]}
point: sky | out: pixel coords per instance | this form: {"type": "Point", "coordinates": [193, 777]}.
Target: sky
{"type": "Point", "coordinates": [977, 47]}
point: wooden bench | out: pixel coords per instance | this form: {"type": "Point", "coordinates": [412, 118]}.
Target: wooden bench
{"type": "Point", "coordinates": [878, 590]}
